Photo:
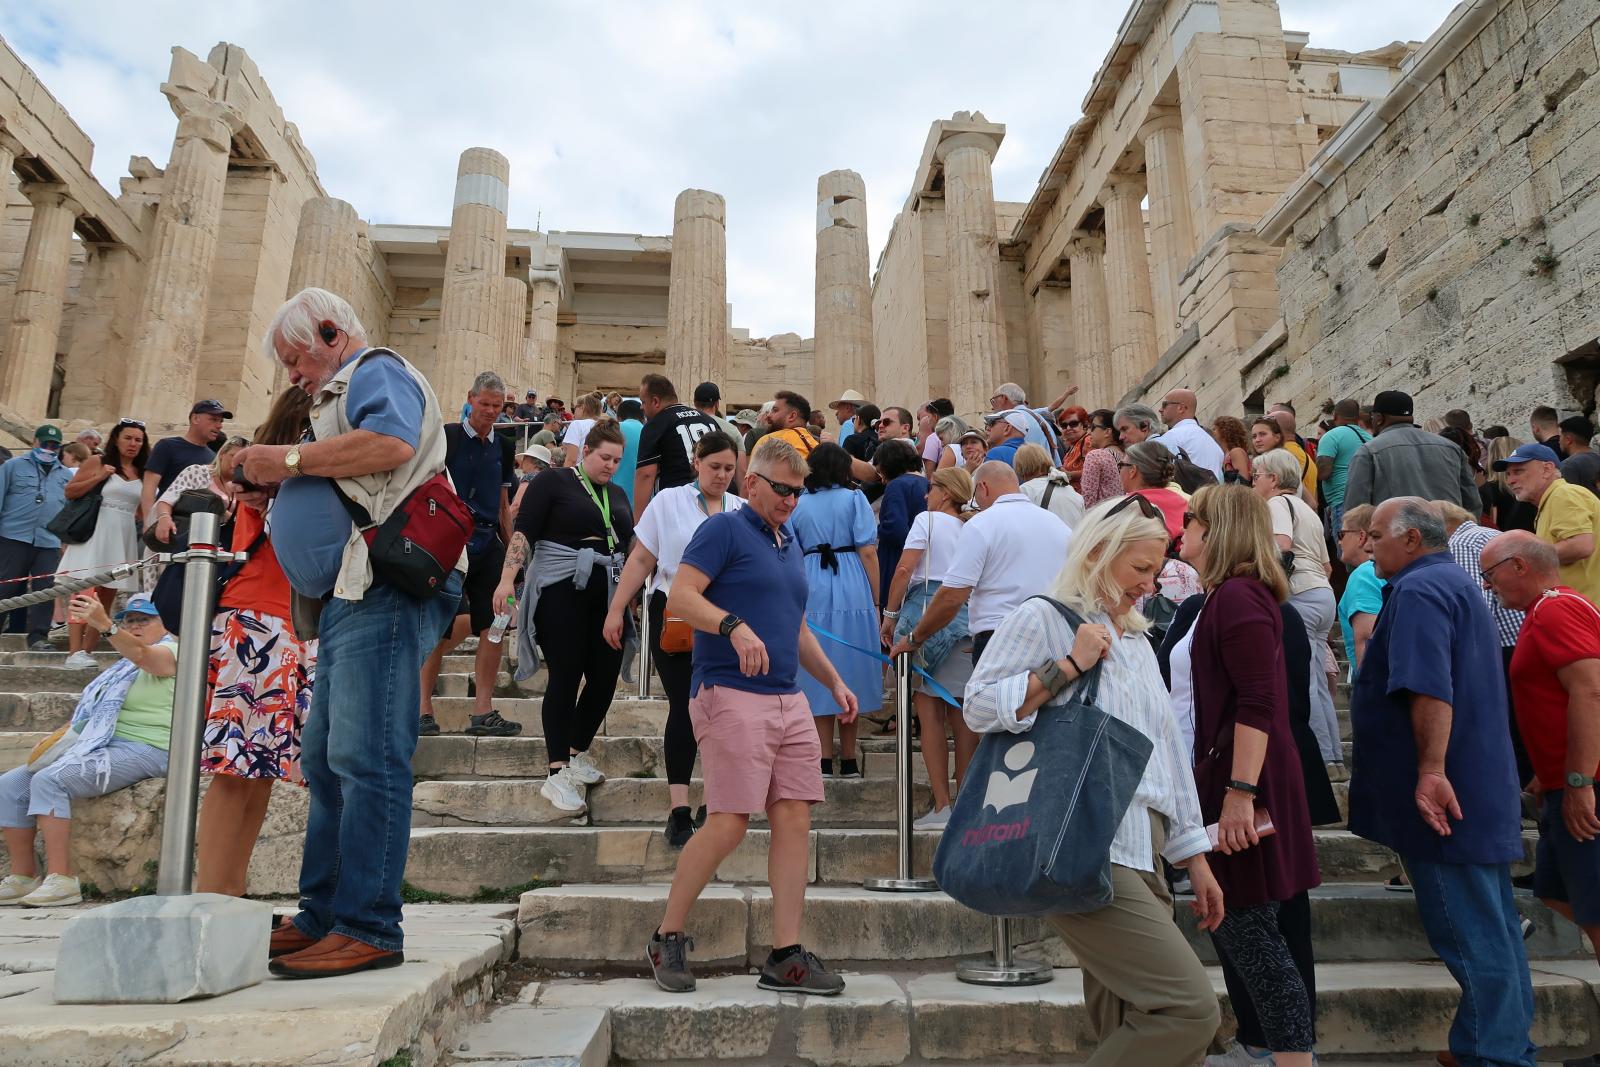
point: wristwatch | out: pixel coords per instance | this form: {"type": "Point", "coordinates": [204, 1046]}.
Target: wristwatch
{"type": "Point", "coordinates": [730, 623]}
{"type": "Point", "coordinates": [1578, 781]}
{"type": "Point", "coordinates": [116, 628]}
{"type": "Point", "coordinates": [291, 460]}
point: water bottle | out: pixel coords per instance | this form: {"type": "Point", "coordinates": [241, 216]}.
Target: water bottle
{"type": "Point", "coordinates": [497, 628]}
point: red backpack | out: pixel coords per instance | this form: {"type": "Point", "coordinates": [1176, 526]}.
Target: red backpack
{"type": "Point", "coordinates": [417, 546]}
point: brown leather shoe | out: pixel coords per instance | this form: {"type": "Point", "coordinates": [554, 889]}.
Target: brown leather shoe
{"type": "Point", "coordinates": [287, 938]}
{"type": "Point", "coordinates": [334, 955]}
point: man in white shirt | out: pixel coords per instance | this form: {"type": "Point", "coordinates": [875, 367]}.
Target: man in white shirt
{"type": "Point", "coordinates": [1011, 550]}
{"type": "Point", "coordinates": [1177, 411]}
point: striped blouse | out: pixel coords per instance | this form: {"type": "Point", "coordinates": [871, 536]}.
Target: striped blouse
{"type": "Point", "coordinates": [1130, 690]}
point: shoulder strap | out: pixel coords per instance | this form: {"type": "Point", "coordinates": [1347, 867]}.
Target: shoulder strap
{"type": "Point", "coordinates": [1049, 491]}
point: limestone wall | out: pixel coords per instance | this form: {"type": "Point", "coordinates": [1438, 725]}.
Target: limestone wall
{"type": "Point", "coordinates": [1458, 257]}
{"type": "Point", "coordinates": [900, 307]}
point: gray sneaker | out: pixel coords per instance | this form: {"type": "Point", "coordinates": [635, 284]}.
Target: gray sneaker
{"type": "Point", "coordinates": [669, 961]}
{"type": "Point", "coordinates": [801, 973]}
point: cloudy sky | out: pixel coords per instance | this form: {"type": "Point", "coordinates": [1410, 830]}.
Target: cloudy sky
{"type": "Point", "coordinates": [607, 110]}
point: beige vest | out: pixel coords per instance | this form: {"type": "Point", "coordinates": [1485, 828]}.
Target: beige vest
{"type": "Point", "coordinates": [380, 493]}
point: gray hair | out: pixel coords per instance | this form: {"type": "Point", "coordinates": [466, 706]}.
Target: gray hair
{"type": "Point", "coordinates": [1281, 464]}
{"type": "Point", "coordinates": [1153, 461]}
{"type": "Point", "coordinates": [297, 321]}
{"type": "Point", "coordinates": [1415, 513]}
{"type": "Point", "coordinates": [1012, 392]}
{"type": "Point", "coordinates": [488, 382]}
{"type": "Point", "coordinates": [1540, 556]}
{"type": "Point", "coordinates": [89, 433]}
{"type": "Point", "coordinates": [1141, 415]}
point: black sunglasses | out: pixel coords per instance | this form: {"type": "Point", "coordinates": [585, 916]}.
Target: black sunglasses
{"type": "Point", "coordinates": [1070, 424]}
{"type": "Point", "coordinates": [1149, 510]}
{"type": "Point", "coordinates": [780, 488]}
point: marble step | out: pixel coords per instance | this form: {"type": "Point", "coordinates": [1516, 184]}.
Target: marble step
{"type": "Point", "coordinates": [582, 928]}
{"type": "Point", "coordinates": [1394, 1010]}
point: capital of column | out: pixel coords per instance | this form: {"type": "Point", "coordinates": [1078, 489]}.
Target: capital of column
{"type": "Point", "coordinates": [48, 195]}
{"type": "Point", "coordinates": [1085, 244]}
{"type": "Point", "coordinates": [1124, 186]}
{"type": "Point", "coordinates": [954, 142]}
{"type": "Point", "coordinates": [203, 119]}
{"type": "Point", "coordinates": [1161, 120]}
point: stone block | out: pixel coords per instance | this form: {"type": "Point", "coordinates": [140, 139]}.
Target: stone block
{"type": "Point", "coordinates": [162, 950]}
{"type": "Point", "coordinates": [722, 1019]}
{"type": "Point", "coordinates": [858, 925]}
{"type": "Point", "coordinates": [520, 1035]}
{"type": "Point", "coordinates": [595, 926]}
{"type": "Point", "coordinates": [506, 802]}
{"type": "Point", "coordinates": [866, 1025]}
{"type": "Point", "coordinates": [956, 1021]}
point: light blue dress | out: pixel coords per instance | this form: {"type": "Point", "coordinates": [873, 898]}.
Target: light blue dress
{"type": "Point", "coordinates": [840, 600]}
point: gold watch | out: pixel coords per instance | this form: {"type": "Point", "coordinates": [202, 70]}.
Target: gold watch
{"type": "Point", "coordinates": [291, 460]}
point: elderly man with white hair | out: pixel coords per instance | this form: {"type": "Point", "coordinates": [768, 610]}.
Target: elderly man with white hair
{"type": "Point", "coordinates": [1041, 431]}
{"type": "Point", "coordinates": [377, 436]}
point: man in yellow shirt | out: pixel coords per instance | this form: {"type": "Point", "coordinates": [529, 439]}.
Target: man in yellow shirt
{"type": "Point", "coordinates": [1284, 416]}
{"type": "Point", "coordinates": [790, 413]}
{"type": "Point", "coordinates": [1569, 515]}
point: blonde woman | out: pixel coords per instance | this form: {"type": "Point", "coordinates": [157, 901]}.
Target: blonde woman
{"type": "Point", "coordinates": [586, 411]}
{"type": "Point", "coordinates": [1147, 994]}
{"type": "Point", "coordinates": [1046, 485]}
{"type": "Point", "coordinates": [930, 546]}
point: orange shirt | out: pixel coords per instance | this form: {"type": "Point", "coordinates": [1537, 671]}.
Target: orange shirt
{"type": "Point", "coordinates": [802, 439]}
{"type": "Point", "coordinates": [260, 584]}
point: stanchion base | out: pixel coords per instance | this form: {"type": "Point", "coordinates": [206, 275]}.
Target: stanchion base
{"type": "Point", "coordinates": [901, 885]}
{"type": "Point", "coordinates": [983, 970]}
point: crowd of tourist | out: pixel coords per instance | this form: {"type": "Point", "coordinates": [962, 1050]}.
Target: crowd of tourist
{"type": "Point", "coordinates": [1214, 587]}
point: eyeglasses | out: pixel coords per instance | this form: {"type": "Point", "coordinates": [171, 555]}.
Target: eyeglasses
{"type": "Point", "coordinates": [1483, 576]}
{"type": "Point", "coordinates": [1189, 516]}
{"type": "Point", "coordinates": [783, 489]}
{"type": "Point", "coordinates": [1166, 404]}
{"type": "Point", "coordinates": [1124, 465]}
{"type": "Point", "coordinates": [1149, 510]}
{"type": "Point", "coordinates": [1357, 533]}
{"type": "Point", "coordinates": [50, 446]}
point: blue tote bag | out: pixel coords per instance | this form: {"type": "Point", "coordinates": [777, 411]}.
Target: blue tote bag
{"type": "Point", "coordinates": [1031, 832]}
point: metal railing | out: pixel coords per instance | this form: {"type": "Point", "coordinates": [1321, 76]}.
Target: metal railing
{"type": "Point", "coordinates": [903, 880]}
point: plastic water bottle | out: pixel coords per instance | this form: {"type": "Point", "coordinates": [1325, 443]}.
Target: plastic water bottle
{"type": "Point", "coordinates": [497, 628]}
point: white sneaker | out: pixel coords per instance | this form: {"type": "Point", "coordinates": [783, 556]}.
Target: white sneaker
{"type": "Point", "coordinates": [581, 769]}
{"type": "Point", "coordinates": [54, 892]}
{"type": "Point", "coordinates": [81, 659]}
{"type": "Point", "coordinates": [563, 792]}
{"type": "Point", "coordinates": [1242, 1055]}
{"type": "Point", "coordinates": [16, 886]}
{"type": "Point", "coordinates": [937, 819]}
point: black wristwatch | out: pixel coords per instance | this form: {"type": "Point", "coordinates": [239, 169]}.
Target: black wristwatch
{"type": "Point", "coordinates": [1578, 781]}
{"type": "Point", "coordinates": [1246, 788]}
{"type": "Point", "coordinates": [730, 623]}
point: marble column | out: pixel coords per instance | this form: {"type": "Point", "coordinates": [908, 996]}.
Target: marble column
{"type": "Point", "coordinates": [1171, 224]}
{"type": "Point", "coordinates": [544, 302]}
{"type": "Point", "coordinates": [30, 355]}
{"type": "Point", "coordinates": [107, 303]}
{"type": "Point", "coordinates": [1127, 271]}
{"type": "Point", "coordinates": [976, 321]}
{"type": "Point", "coordinates": [325, 248]}
{"type": "Point", "coordinates": [1091, 337]}
{"type": "Point", "coordinates": [697, 292]}
{"type": "Point", "coordinates": [474, 266]}
{"type": "Point", "coordinates": [164, 356]}
{"type": "Point", "coordinates": [843, 289]}
{"type": "Point", "coordinates": [514, 335]}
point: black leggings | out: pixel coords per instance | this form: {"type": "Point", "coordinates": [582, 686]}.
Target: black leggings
{"type": "Point", "coordinates": [1268, 966]}
{"type": "Point", "coordinates": [569, 622]}
{"type": "Point", "coordinates": [675, 670]}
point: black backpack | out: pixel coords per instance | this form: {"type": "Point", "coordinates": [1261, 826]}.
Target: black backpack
{"type": "Point", "coordinates": [1190, 476]}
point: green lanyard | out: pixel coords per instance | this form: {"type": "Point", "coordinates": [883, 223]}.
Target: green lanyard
{"type": "Point", "coordinates": [604, 504]}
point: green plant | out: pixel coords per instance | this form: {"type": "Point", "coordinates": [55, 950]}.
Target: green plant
{"type": "Point", "coordinates": [91, 891]}
{"type": "Point", "coordinates": [412, 895]}
{"type": "Point", "coordinates": [1433, 294]}
{"type": "Point", "coordinates": [399, 1059]}
{"type": "Point", "coordinates": [1280, 370]}
{"type": "Point", "coordinates": [1504, 241]}
{"type": "Point", "coordinates": [1474, 218]}
{"type": "Point", "coordinates": [1544, 262]}
{"type": "Point", "coordinates": [488, 894]}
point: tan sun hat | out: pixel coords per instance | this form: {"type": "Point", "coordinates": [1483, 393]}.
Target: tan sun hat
{"type": "Point", "coordinates": [849, 396]}
{"type": "Point", "coordinates": [538, 452]}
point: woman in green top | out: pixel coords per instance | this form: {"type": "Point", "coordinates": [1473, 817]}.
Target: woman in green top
{"type": "Point", "coordinates": [38, 797]}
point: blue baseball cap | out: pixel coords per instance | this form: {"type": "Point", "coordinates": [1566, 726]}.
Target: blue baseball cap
{"type": "Point", "coordinates": [1529, 453]}
{"type": "Point", "coordinates": [137, 605]}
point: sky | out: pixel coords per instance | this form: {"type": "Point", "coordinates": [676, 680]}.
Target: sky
{"type": "Point", "coordinates": [607, 110]}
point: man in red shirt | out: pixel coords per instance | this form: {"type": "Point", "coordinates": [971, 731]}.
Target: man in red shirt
{"type": "Point", "coordinates": [1555, 679]}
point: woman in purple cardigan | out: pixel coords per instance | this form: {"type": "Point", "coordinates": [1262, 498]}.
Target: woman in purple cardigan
{"type": "Point", "coordinates": [1246, 764]}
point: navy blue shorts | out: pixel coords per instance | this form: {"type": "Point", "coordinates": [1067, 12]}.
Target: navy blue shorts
{"type": "Point", "coordinates": [1564, 868]}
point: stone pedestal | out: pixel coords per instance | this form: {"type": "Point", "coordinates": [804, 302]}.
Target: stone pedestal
{"type": "Point", "coordinates": [978, 356]}
{"type": "Point", "coordinates": [544, 303]}
{"type": "Point", "coordinates": [512, 363]}
{"type": "Point", "coordinates": [1171, 223]}
{"type": "Point", "coordinates": [697, 291]}
{"type": "Point", "coordinates": [163, 950]}
{"type": "Point", "coordinates": [1127, 271]}
{"type": "Point", "coordinates": [183, 242]}
{"type": "Point", "coordinates": [843, 289]}
{"type": "Point", "coordinates": [30, 353]}
{"type": "Point", "coordinates": [475, 263]}
{"type": "Point", "coordinates": [1090, 334]}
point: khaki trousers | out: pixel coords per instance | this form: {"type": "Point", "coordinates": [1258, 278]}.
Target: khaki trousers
{"type": "Point", "coordinates": [1148, 997]}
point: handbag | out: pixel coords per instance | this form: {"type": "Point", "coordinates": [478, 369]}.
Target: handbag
{"type": "Point", "coordinates": [1031, 833]}
{"type": "Point", "coordinates": [676, 636]}
{"type": "Point", "coordinates": [1190, 475]}
{"type": "Point", "coordinates": [167, 595]}
{"type": "Point", "coordinates": [190, 502]}
{"type": "Point", "coordinates": [74, 524]}
{"type": "Point", "coordinates": [417, 546]}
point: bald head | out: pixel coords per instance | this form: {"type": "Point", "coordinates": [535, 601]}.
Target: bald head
{"type": "Point", "coordinates": [1519, 568]}
{"type": "Point", "coordinates": [993, 479]}
{"type": "Point", "coordinates": [1177, 405]}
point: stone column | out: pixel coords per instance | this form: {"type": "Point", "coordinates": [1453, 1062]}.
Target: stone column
{"type": "Point", "coordinates": [1171, 224]}
{"type": "Point", "coordinates": [697, 292]}
{"type": "Point", "coordinates": [1091, 335]}
{"type": "Point", "coordinates": [474, 266]}
{"type": "Point", "coordinates": [844, 289]}
{"type": "Point", "coordinates": [514, 335]}
{"type": "Point", "coordinates": [1127, 270]}
{"type": "Point", "coordinates": [325, 248]}
{"type": "Point", "coordinates": [165, 352]}
{"type": "Point", "coordinates": [544, 303]}
{"type": "Point", "coordinates": [976, 321]}
{"type": "Point", "coordinates": [10, 149]}
{"type": "Point", "coordinates": [107, 303]}
{"type": "Point", "coordinates": [30, 355]}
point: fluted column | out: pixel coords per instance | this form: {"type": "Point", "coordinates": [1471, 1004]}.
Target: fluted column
{"type": "Point", "coordinates": [976, 320]}
{"type": "Point", "coordinates": [183, 242]}
{"type": "Point", "coordinates": [325, 247]}
{"type": "Point", "coordinates": [843, 288]}
{"type": "Point", "coordinates": [545, 301]}
{"type": "Point", "coordinates": [697, 291]}
{"type": "Point", "coordinates": [514, 334]}
{"type": "Point", "coordinates": [1091, 335]}
{"type": "Point", "coordinates": [10, 149]}
{"type": "Point", "coordinates": [102, 321]}
{"type": "Point", "coordinates": [41, 288]}
{"type": "Point", "coordinates": [1171, 223]}
{"type": "Point", "coordinates": [474, 266]}
{"type": "Point", "coordinates": [1127, 269]}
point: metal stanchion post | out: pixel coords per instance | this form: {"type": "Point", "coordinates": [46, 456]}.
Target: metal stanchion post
{"type": "Point", "coordinates": [644, 650]}
{"type": "Point", "coordinates": [1001, 967]}
{"type": "Point", "coordinates": [903, 882]}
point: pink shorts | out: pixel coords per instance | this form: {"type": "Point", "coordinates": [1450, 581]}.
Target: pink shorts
{"type": "Point", "coordinates": [755, 749]}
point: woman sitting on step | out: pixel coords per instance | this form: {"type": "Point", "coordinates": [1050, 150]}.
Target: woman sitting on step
{"type": "Point", "coordinates": [118, 736]}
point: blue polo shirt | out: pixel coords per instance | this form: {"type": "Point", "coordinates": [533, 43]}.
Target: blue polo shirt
{"type": "Point", "coordinates": [1434, 637]}
{"type": "Point", "coordinates": [1006, 451]}
{"type": "Point", "coordinates": [764, 585]}
{"type": "Point", "coordinates": [483, 470]}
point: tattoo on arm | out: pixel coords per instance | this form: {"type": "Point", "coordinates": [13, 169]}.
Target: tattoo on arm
{"type": "Point", "coordinates": [516, 553]}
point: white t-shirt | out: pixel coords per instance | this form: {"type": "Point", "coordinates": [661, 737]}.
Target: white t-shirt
{"type": "Point", "coordinates": [1180, 662]}
{"type": "Point", "coordinates": [936, 534]}
{"type": "Point", "coordinates": [669, 521]}
{"type": "Point", "coordinates": [576, 433]}
{"type": "Point", "coordinates": [1008, 552]}
{"type": "Point", "coordinates": [1065, 502]}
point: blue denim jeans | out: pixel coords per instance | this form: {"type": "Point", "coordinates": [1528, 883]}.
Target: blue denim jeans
{"type": "Point", "coordinates": [356, 754]}
{"type": "Point", "coordinates": [1472, 923]}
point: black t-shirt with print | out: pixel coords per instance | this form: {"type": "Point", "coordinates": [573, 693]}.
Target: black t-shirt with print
{"type": "Point", "coordinates": [667, 441]}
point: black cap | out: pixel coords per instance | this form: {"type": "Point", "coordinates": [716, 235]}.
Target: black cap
{"type": "Point", "coordinates": [1392, 402]}
{"type": "Point", "coordinates": [706, 393]}
{"type": "Point", "coordinates": [533, 392]}
{"type": "Point", "coordinates": [210, 407]}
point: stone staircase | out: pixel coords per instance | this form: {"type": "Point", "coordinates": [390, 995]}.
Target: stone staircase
{"type": "Point", "coordinates": [575, 988]}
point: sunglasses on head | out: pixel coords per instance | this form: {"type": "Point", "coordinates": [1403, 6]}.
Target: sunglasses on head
{"type": "Point", "coordinates": [1147, 509]}
{"type": "Point", "coordinates": [130, 422]}
{"type": "Point", "coordinates": [780, 488]}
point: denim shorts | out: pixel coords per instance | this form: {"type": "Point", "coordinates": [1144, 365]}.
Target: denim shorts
{"type": "Point", "coordinates": [1565, 868]}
